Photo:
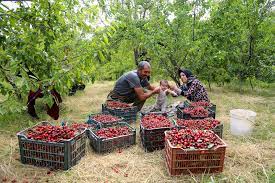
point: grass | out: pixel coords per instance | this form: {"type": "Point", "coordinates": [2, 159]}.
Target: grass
{"type": "Point", "coordinates": [248, 159]}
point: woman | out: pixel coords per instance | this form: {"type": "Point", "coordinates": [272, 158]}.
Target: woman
{"type": "Point", "coordinates": [192, 89]}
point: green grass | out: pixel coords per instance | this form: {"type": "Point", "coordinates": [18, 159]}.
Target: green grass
{"type": "Point", "coordinates": [272, 174]}
{"type": "Point", "coordinates": [14, 122]}
{"type": "Point", "coordinates": [248, 159]}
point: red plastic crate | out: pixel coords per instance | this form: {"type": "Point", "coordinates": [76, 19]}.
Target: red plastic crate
{"type": "Point", "coordinates": [180, 161]}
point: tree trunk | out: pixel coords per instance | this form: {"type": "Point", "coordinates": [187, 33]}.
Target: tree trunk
{"type": "Point", "coordinates": [144, 14]}
{"type": "Point", "coordinates": [174, 63]}
{"type": "Point", "coordinates": [175, 79]}
{"type": "Point", "coordinates": [15, 88]}
{"type": "Point", "coordinates": [241, 86]}
{"type": "Point", "coordinates": [193, 27]}
{"type": "Point", "coordinates": [251, 84]}
{"type": "Point", "coordinates": [209, 84]}
{"type": "Point", "coordinates": [136, 55]}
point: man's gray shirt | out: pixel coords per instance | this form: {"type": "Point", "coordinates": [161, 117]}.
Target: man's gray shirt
{"type": "Point", "coordinates": [127, 82]}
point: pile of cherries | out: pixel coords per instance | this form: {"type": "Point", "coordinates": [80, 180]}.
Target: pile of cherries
{"type": "Point", "coordinates": [111, 132]}
{"type": "Point", "coordinates": [200, 124]}
{"type": "Point", "coordinates": [193, 139]}
{"type": "Point", "coordinates": [117, 105]}
{"type": "Point", "coordinates": [105, 118]}
{"type": "Point", "coordinates": [151, 121]}
{"type": "Point", "coordinates": [196, 111]}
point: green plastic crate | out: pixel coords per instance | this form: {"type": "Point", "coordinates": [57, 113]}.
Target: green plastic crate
{"type": "Point", "coordinates": [129, 114]}
{"type": "Point", "coordinates": [102, 125]}
{"type": "Point", "coordinates": [213, 107]}
{"type": "Point", "coordinates": [153, 139]}
{"type": "Point", "coordinates": [102, 145]}
{"type": "Point", "coordinates": [55, 155]}
{"type": "Point", "coordinates": [182, 115]}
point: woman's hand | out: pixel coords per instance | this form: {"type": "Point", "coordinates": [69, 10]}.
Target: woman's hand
{"type": "Point", "coordinates": [172, 87]}
{"type": "Point", "coordinates": [184, 88]}
{"type": "Point", "coordinates": [174, 94]}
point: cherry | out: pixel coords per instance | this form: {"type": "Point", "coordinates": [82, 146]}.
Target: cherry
{"type": "Point", "coordinates": [151, 121]}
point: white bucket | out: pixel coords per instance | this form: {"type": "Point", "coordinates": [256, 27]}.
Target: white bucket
{"type": "Point", "coordinates": [241, 121]}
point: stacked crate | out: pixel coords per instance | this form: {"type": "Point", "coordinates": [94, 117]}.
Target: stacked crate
{"type": "Point", "coordinates": [183, 160]}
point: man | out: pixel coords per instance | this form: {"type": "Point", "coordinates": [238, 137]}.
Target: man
{"type": "Point", "coordinates": [129, 88]}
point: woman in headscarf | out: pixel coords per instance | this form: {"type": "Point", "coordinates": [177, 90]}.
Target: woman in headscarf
{"type": "Point", "coordinates": [192, 88]}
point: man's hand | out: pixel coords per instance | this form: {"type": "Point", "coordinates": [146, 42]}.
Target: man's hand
{"type": "Point", "coordinates": [156, 90]}
{"type": "Point", "coordinates": [150, 87]}
{"type": "Point", "coordinates": [142, 95]}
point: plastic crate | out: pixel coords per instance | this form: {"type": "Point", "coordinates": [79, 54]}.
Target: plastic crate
{"type": "Point", "coordinates": [153, 139]}
{"type": "Point", "coordinates": [128, 114]}
{"type": "Point", "coordinates": [180, 161]}
{"type": "Point", "coordinates": [55, 155]}
{"type": "Point", "coordinates": [182, 115]}
{"type": "Point", "coordinates": [157, 113]}
{"type": "Point", "coordinates": [217, 130]}
{"type": "Point", "coordinates": [103, 125]}
{"type": "Point", "coordinates": [102, 145]}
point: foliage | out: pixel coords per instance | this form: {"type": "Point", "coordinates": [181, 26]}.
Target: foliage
{"type": "Point", "coordinates": [57, 43]}
{"type": "Point", "coordinates": [46, 44]}
{"type": "Point", "coordinates": [233, 42]}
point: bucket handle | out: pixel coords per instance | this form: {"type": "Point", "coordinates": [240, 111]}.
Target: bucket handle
{"type": "Point", "coordinates": [234, 116]}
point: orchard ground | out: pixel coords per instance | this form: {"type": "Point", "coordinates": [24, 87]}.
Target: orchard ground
{"type": "Point", "coordinates": [248, 159]}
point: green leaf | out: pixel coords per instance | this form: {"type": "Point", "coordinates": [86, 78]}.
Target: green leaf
{"type": "Point", "coordinates": [105, 39]}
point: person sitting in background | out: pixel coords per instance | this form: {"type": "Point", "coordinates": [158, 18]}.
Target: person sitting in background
{"type": "Point", "coordinates": [130, 87]}
{"type": "Point", "coordinates": [192, 88]}
{"type": "Point", "coordinates": [161, 100]}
